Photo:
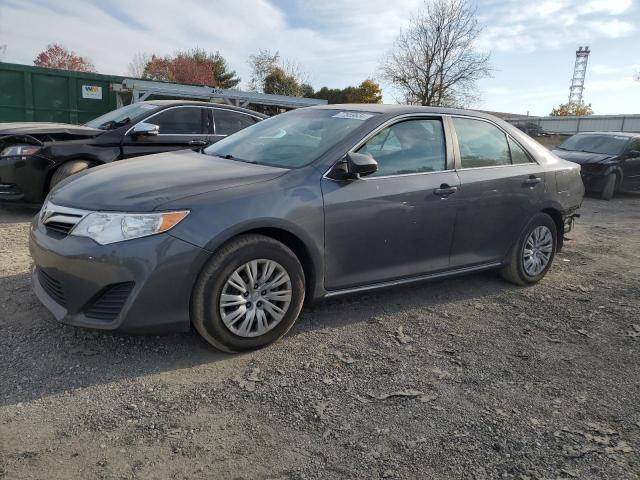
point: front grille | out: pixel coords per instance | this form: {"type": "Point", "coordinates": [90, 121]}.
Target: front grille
{"type": "Point", "coordinates": [52, 287]}
{"type": "Point", "coordinates": [59, 219]}
{"type": "Point", "coordinates": [109, 304]}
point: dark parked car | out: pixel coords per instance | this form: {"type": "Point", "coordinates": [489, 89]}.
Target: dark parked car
{"type": "Point", "coordinates": [36, 156]}
{"type": "Point", "coordinates": [309, 204]}
{"type": "Point", "coordinates": [532, 129]}
{"type": "Point", "coordinates": [610, 161]}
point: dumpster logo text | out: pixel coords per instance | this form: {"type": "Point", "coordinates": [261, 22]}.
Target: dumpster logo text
{"type": "Point", "coordinates": [91, 91]}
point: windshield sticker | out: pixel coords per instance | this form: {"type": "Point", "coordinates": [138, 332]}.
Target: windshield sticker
{"type": "Point", "coordinates": [354, 115]}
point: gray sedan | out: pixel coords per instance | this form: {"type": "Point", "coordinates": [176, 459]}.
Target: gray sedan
{"type": "Point", "coordinates": [309, 204]}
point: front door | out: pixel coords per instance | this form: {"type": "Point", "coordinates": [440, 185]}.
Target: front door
{"type": "Point", "coordinates": [180, 127]}
{"type": "Point", "coordinates": [397, 222]}
{"type": "Point", "coordinates": [500, 190]}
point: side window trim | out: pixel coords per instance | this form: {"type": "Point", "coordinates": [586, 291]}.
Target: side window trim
{"type": "Point", "coordinates": [213, 114]}
{"type": "Point", "coordinates": [145, 120]}
{"type": "Point", "coordinates": [458, 162]}
{"type": "Point", "coordinates": [399, 119]}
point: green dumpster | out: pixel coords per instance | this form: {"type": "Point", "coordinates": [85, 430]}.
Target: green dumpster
{"type": "Point", "coordinates": [36, 94]}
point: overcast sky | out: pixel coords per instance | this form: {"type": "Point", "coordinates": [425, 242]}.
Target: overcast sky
{"type": "Point", "coordinates": [341, 42]}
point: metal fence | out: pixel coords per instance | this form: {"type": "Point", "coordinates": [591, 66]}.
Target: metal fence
{"type": "Point", "coordinates": [592, 123]}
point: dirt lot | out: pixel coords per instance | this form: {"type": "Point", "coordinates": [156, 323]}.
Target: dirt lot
{"type": "Point", "coordinates": [464, 378]}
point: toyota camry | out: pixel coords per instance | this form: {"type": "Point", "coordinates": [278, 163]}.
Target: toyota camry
{"type": "Point", "coordinates": [310, 204]}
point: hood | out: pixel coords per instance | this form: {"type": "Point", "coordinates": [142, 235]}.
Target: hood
{"type": "Point", "coordinates": [583, 157]}
{"type": "Point", "coordinates": [44, 128]}
{"type": "Point", "coordinates": [144, 183]}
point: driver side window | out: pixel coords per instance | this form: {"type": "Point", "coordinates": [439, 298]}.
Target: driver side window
{"type": "Point", "coordinates": [411, 146]}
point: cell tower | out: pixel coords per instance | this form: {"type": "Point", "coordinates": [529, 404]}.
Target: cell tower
{"type": "Point", "coordinates": [579, 72]}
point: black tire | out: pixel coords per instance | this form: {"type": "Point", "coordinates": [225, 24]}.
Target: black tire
{"type": "Point", "coordinates": [205, 299]}
{"type": "Point", "coordinates": [67, 169]}
{"type": "Point", "coordinates": [514, 270]}
{"type": "Point", "coordinates": [609, 187]}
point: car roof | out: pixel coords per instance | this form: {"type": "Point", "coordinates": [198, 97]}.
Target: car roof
{"type": "Point", "coordinates": [397, 109]}
{"type": "Point", "coordinates": [171, 103]}
{"type": "Point", "coordinates": [617, 134]}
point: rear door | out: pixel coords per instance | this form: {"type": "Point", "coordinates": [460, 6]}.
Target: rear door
{"type": "Point", "coordinates": [397, 222]}
{"type": "Point", "coordinates": [185, 126]}
{"type": "Point", "coordinates": [500, 189]}
{"type": "Point", "coordinates": [227, 122]}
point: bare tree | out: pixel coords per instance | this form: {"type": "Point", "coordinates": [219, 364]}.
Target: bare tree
{"type": "Point", "coordinates": [434, 61]}
{"type": "Point", "coordinates": [264, 63]}
{"type": "Point", "coordinates": [137, 64]}
{"type": "Point", "coordinates": [3, 50]}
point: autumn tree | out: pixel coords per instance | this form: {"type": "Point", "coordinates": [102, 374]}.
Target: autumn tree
{"type": "Point", "coordinates": [279, 83]}
{"type": "Point", "coordinates": [195, 66]}
{"type": "Point", "coordinates": [264, 63]}
{"type": "Point", "coordinates": [57, 56]}
{"type": "Point", "coordinates": [571, 110]}
{"type": "Point", "coordinates": [434, 61]}
{"type": "Point", "coordinates": [367, 92]}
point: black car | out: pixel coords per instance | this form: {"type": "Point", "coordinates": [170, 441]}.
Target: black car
{"type": "Point", "coordinates": [36, 156]}
{"type": "Point", "coordinates": [610, 161]}
{"type": "Point", "coordinates": [532, 129]}
{"type": "Point", "coordinates": [308, 204]}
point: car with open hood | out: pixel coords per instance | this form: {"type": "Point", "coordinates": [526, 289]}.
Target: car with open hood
{"type": "Point", "coordinates": [610, 161]}
{"type": "Point", "coordinates": [309, 204]}
{"type": "Point", "coordinates": [34, 156]}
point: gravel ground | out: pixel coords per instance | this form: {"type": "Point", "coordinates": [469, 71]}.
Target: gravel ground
{"type": "Point", "coordinates": [463, 378]}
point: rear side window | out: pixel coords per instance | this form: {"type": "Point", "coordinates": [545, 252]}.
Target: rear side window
{"type": "Point", "coordinates": [180, 121]}
{"type": "Point", "coordinates": [518, 155]}
{"type": "Point", "coordinates": [481, 144]}
{"type": "Point", "coordinates": [412, 146]}
{"type": "Point", "coordinates": [228, 122]}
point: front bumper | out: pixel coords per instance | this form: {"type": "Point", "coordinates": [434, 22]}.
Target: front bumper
{"type": "Point", "coordinates": [139, 286]}
{"type": "Point", "coordinates": [23, 179]}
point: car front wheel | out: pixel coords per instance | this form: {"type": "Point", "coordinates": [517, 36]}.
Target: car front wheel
{"type": "Point", "coordinates": [532, 256]}
{"type": "Point", "coordinates": [67, 169]}
{"type": "Point", "coordinates": [248, 295]}
{"type": "Point", "coordinates": [609, 187]}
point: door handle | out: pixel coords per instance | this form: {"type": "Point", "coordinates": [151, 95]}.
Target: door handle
{"type": "Point", "coordinates": [445, 190]}
{"type": "Point", "coordinates": [199, 143]}
{"type": "Point", "coordinates": [532, 181]}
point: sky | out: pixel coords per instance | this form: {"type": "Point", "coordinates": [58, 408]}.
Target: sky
{"type": "Point", "coordinates": [341, 42]}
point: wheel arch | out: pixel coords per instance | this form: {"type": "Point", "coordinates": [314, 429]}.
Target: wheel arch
{"type": "Point", "coordinates": [556, 215]}
{"type": "Point", "coordinates": [310, 258]}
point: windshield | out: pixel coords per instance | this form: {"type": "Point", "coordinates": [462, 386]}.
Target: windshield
{"type": "Point", "coordinates": [292, 139]}
{"type": "Point", "coordinates": [605, 144]}
{"type": "Point", "coordinates": [121, 116]}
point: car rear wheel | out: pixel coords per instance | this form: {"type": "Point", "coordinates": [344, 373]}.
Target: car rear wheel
{"type": "Point", "coordinates": [248, 295]}
{"type": "Point", "coordinates": [609, 187]}
{"type": "Point", "coordinates": [67, 169]}
{"type": "Point", "coordinates": [533, 255]}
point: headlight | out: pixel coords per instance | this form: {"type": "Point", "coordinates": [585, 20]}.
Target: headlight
{"type": "Point", "coordinates": [106, 227]}
{"type": "Point", "coordinates": [19, 151]}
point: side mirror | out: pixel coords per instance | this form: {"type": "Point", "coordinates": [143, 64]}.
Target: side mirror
{"type": "Point", "coordinates": [634, 153]}
{"type": "Point", "coordinates": [143, 128]}
{"type": "Point", "coordinates": [360, 165]}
